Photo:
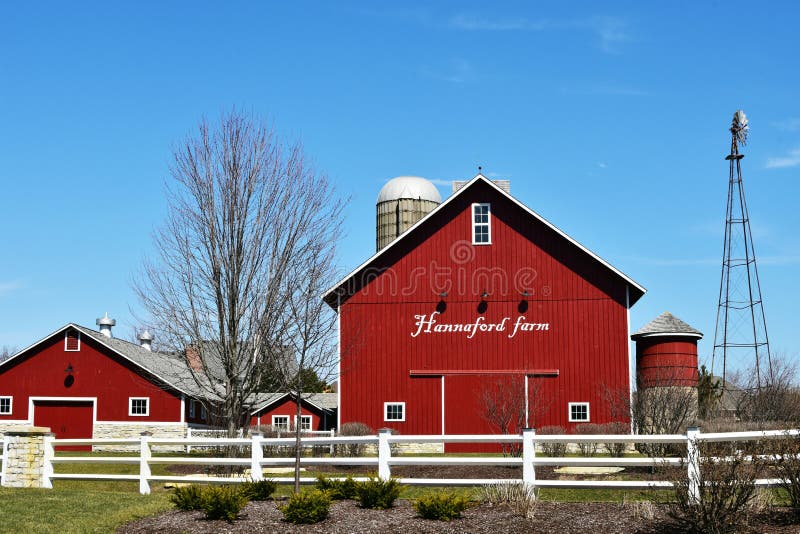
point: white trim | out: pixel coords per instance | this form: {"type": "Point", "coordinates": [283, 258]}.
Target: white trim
{"type": "Point", "coordinates": [10, 405]}
{"type": "Point", "coordinates": [183, 408]}
{"type": "Point", "coordinates": [527, 421]}
{"type": "Point", "coordinates": [339, 364]}
{"type": "Point", "coordinates": [443, 405]}
{"type": "Point", "coordinates": [66, 339]}
{"type": "Point", "coordinates": [454, 196]}
{"type": "Point", "coordinates": [302, 417]}
{"type": "Point", "coordinates": [667, 334]}
{"type": "Point", "coordinates": [385, 412]}
{"type": "Point", "coordinates": [488, 222]}
{"type": "Point", "coordinates": [142, 423]}
{"type": "Point", "coordinates": [146, 406]}
{"type": "Point", "coordinates": [32, 400]}
{"type": "Point", "coordinates": [288, 420]}
{"type": "Point", "coordinates": [631, 362]}
{"type": "Point", "coordinates": [569, 412]}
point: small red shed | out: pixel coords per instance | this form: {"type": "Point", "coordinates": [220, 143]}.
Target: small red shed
{"type": "Point", "coordinates": [279, 411]}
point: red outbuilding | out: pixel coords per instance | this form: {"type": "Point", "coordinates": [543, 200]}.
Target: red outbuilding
{"type": "Point", "coordinates": [279, 411]}
{"type": "Point", "coordinates": [479, 302]}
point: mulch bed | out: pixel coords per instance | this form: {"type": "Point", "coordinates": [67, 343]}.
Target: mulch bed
{"type": "Point", "coordinates": [348, 517]}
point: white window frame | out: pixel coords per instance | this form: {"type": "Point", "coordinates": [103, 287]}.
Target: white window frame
{"type": "Point", "coordinates": [281, 427]}
{"type": "Point", "coordinates": [304, 418]}
{"type": "Point", "coordinates": [487, 224]}
{"type": "Point", "coordinates": [10, 404]}
{"type": "Point", "coordinates": [146, 406]}
{"type": "Point", "coordinates": [588, 413]}
{"type": "Point", "coordinates": [386, 406]}
{"type": "Point", "coordinates": [66, 338]}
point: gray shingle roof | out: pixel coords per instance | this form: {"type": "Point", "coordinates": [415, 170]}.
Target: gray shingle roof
{"type": "Point", "coordinates": [169, 368]}
{"type": "Point", "coordinates": [666, 324]}
{"type": "Point", "coordinates": [323, 401]}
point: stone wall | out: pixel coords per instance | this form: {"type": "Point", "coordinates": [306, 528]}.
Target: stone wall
{"type": "Point", "coordinates": [24, 457]}
{"type": "Point", "coordinates": [134, 431]}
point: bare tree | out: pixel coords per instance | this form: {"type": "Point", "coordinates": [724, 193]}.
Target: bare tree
{"type": "Point", "coordinates": [244, 211]}
{"type": "Point", "coordinates": [6, 352]}
{"type": "Point", "coordinates": [776, 399]}
{"type": "Point", "coordinates": [504, 407]}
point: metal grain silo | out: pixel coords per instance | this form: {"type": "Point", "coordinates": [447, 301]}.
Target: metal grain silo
{"type": "Point", "coordinates": [401, 203]}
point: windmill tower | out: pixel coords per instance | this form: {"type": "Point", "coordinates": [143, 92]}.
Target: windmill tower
{"type": "Point", "coordinates": [741, 332]}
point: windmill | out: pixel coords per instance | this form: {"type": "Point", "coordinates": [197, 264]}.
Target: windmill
{"type": "Point", "coordinates": [741, 332]}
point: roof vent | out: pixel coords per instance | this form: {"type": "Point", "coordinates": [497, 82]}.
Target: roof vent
{"type": "Point", "coordinates": [146, 340]}
{"type": "Point", "coordinates": [105, 323]}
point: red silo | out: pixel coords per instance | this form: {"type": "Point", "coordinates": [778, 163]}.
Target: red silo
{"type": "Point", "coordinates": [666, 353]}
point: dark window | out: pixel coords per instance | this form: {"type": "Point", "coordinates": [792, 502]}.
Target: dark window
{"type": "Point", "coordinates": [138, 406]}
{"type": "Point", "coordinates": [5, 405]}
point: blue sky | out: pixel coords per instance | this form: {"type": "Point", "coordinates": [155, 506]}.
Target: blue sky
{"type": "Point", "coordinates": [610, 119]}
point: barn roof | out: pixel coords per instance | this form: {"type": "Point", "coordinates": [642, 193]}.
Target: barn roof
{"type": "Point", "coordinates": [339, 289]}
{"type": "Point", "coordinates": [322, 401]}
{"type": "Point", "coordinates": [666, 324]}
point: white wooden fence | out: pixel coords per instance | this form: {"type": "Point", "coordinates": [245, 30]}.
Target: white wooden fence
{"type": "Point", "coordinates": [384, 461]}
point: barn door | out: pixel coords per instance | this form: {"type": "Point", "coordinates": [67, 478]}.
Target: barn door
{"type": "Point", "coordinates": [67, 419]}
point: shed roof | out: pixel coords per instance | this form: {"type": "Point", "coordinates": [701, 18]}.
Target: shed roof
{"type": "Point", "coordinates": [666, 324]}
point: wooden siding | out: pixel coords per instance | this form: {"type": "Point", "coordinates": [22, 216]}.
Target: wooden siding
{"type": "Point", "coordinates": [97, 372]}
{"type": "Point", "coordinates": [580, 301]}
{"type": "Point", "coordinates": [666, 361]}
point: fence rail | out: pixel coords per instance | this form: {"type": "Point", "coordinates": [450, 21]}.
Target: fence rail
{"type": "Point", "coordinates": [384, 461]}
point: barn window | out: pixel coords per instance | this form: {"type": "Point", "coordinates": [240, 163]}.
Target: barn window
{"type": "Point", "coordinates": [202, 413]}
{"type": "Point", "coordinates": [192, 409]}
{"type": "Point", "coordinates": [72, 341]}
{"type": "Point", "coordinates": [394, 411]}
{"type": "Point", "coordinates": [138, 406]}
{"type": "Point", "coordinates": [481, 224]}
{"type": "Point", "coordinates": [281, 422]}
{"type": "Point", "coordinates": [305, 422]}
{"type": "Point", "coordinates": [5, 405]}
{"type": "Point", "coordinates": [578, 411]}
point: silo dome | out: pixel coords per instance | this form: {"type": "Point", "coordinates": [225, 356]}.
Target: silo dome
{"type": "Point", "coordinates": [411, 187]}
{"type": "Point", "coordinates": [401, 203]}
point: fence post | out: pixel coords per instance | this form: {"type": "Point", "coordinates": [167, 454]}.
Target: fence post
{"type": "Point", "coordinates": [333, 435]}
{"type": "Point", "coordinates": [384, 453]}
{"type": "Point", "coordinates": [693, 463]}
{"type": "Point", "coordinates": [256, 455]}
{"type": "Point", "coordinates": [188, 436]}
{"type": "Point", "coordinates": [144, 463]}
{"type": "Point", "coordinates": [47, 464]}
{"type": "Point", "coordinates": [528, 455]}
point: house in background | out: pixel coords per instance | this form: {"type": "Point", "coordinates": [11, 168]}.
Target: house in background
{"type": "Point", "coordinates": [279, 410]}
{"type": "Point", "coordinates": [84, 383]}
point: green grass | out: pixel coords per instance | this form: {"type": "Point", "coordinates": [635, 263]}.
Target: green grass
{"type": "Point", "coordinates": [75, 510]}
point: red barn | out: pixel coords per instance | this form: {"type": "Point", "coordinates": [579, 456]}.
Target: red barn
{"type": "Point", "coordinates": [83, 383]}
{"type": "Point", "coordinates": [481, 301]}
{"type": "Point", "coordinates": [279, 410]}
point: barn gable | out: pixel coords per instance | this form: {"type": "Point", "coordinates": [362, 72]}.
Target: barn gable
{"type": "Point", "coordinates": [517, 216]}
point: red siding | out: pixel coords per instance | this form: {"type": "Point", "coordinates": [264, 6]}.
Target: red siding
{"type": "Point", "coordinates": [67, 419]}
{"type": "Point", "coordinates": [582, 302]}
{"type": "Point", "coordinates": [666, 361]}
{"type": "Point", "coordinates": [289, 407]}
{"type": "Point", "coordinates": [96, 372]}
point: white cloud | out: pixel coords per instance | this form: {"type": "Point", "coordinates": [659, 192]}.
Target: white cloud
{"type": "Point", "coordinates": [790, 125]}
{"type": "Point", "coordinates": [9, 287]}
{"type": "Point", "coordinates": [610, 31]}
{"type": "Point", "coordinates": [792, 159]}
{"type": "Point", "coordinates": [458, 71]}
{"type": "Point", "coordinates": [602, 165]}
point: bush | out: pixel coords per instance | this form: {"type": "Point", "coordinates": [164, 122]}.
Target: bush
{"type": "Point", "coordinates": [553, 449]}
{"type": "Point", "coordinates": [516, 495]}
{"type": "Point", "coordinates": [617, 450]}
{"type": "Point", "coordinates": [588, 448]}
{"type": "Point", "coordinates": [726, 487]}
{"type": "Point", "coordinates": [353, 429]}
{"type": "Point", "coordinates": [377, 493]}
{"type": "Point", "coordinates": [188, 497]}
{"type": "Point", "coordinates": [306, 507]}
{"type": "Point", "coordinates": [223, 502]}
{"type": "Point", "coordinates": [338, 489]}
{"type": "Point", "coordinates": [787, 465]}
{"type": "Point", "coordinates": [441, 506]}
{"type": "Point", "coordinates": [258, 490]}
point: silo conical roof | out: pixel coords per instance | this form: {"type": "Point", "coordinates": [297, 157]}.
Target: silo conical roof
{"type": "Point", "coordinates": [409, 187]}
